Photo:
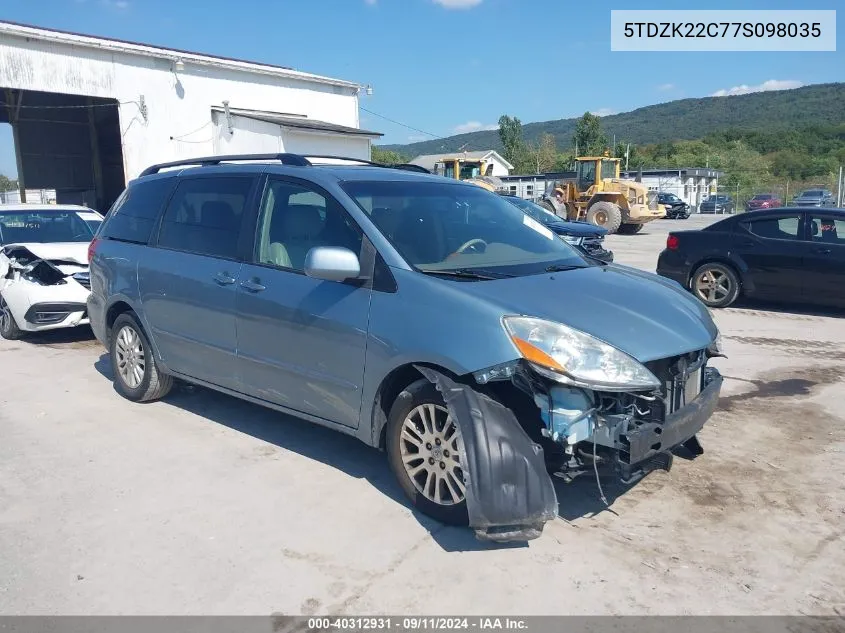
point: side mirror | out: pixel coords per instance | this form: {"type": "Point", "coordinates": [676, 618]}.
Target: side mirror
{"type": "Point", "coordinates": [332, 263]}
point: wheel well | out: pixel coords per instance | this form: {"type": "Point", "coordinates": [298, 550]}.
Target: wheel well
{"type": "Point", "coordinates": [715, 260]}
{"type": "Point", "coordinates": [393, 384]}
{"type": "Point", "coordinates": [115, 311]}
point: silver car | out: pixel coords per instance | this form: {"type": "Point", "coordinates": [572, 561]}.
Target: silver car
{"type": "Point", "coordinates": [424, 316]}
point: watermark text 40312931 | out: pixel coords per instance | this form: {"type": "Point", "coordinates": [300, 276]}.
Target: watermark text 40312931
{"type": "Point", "coordinates": [723, 30]}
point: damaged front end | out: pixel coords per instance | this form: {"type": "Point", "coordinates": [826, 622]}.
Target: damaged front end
{"type": "Point", "coordinates": [44, 293]}
{"type": "Point", "coordinates": [521, 422]}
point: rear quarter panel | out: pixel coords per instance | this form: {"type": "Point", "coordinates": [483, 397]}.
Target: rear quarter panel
{"type": "Point", "coordinates": [696, 248]}
{"type": "Point", "coordinates": [114, 279]}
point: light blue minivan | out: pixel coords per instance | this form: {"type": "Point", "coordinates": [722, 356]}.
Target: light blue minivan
{"type": "Point", "coordinates": [427, 317]}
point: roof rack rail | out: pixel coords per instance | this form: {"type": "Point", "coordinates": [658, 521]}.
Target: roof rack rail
{"type": "Point", "coordinates": [403, 166]}
{"type": "Point", "coordinates": [285, 159]}
{"type": "Point", "coordinates": [295, 160]}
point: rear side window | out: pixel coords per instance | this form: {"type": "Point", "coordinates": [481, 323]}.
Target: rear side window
{"type": "Point", "coordinates": [134, 214]}
{"type": "Point", "coordinates": [778, 228]}
{"type": "Point", "coordinates": [204, 216]}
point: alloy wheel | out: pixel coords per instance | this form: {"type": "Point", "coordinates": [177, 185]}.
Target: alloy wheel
{"type": "Point", "coordinates": [5, 316]}
{"type": "Point", "coordinates": [713, 285]}
{"type": "Point", "coordinates": [131, 361]}
{"type": "Point", "coordinates": [430, 446]}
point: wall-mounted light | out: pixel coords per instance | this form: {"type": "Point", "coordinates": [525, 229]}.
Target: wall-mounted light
{"type": "Point", "coordinates": [178, 66]}
{"type": "Point", "coordinates": [369, 90]}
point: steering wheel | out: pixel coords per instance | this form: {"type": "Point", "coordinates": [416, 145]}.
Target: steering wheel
{"type": "Point", "coordinates": [470, 244]}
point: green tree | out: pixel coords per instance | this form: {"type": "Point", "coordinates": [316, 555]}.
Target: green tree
{"type": "Point", "coordinates": [542, 154]}
{"type": "Point", "coordinates": [589, 138]}
{"type": "Point", "coordinates": [510, 133]}
{"type": "Point", "coordinates": [7, 184]}
{"type": "Point", "coordinates": [387, 157]}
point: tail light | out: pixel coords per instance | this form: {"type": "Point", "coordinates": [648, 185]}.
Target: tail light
{"type": "Point", "coordinates": [92, 247]}
{"type": "Point", "coordinates": [672, 242]}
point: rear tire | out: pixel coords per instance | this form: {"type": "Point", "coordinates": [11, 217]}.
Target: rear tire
{"type": "Point", "coordinates": [715, 285]}
{"type": "Point", "coordinates": [606, 215]}
{"type": "Point", "coordinates": [136, 373]}
{"type": "Point", "coordinates": [630, 229]}
{"type": "Point", "coordinates": [409, 435]}
{"type": "Point", "coordinates": [9, 329]}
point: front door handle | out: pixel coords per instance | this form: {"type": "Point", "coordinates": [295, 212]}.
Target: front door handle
{"type": "Point", "coordinates": [823, 251]}
{"type": "Point", "coordinates": [224, 279]}
{"type": "Point", "coordinates": [252, 285]}
{"type": "Point", "coordinates": [748, 243]}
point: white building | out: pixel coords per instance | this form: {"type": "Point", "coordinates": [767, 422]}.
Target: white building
{"type": "Point", "coordinates": [692, 185]}
{"type": "Point", "coordinates": [90, 113]}
{"type": "Point", "coordinates": [501, 167]}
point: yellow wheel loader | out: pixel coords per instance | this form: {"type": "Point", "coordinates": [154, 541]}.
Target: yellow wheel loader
{"type": "Point", "coordinates": [477, 172]}
{"type": "Point", "coordinates": [599, 196]}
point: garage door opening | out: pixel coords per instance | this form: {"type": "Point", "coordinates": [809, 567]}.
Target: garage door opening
{"type": "Point", "coordinates": [69, 143]}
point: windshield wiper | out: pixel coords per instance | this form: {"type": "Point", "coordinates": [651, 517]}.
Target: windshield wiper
{"type": "Point", "coordinates": [558, 268]}
{"type": "Point", "coordinates": [467, 273]}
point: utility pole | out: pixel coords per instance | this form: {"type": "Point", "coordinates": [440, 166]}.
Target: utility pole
{"type": "Point", "coordinates": [627, 155]}
{"type": "Point", "coordinates": [839, 199]}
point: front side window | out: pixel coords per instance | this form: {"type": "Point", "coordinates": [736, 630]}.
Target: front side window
{"type": "Point", "coordinates": [441, 227]}
{"type": "Point", "coordinates": [827, 229]}
{"type": "Point", "coordinates": [44, 227]}
{"type": "Point", "coordinates": [296, 218]}
{"type": "Point", "coordinates": [777, 228]}
{"type": "Point", "coordinates": [608, 169]}
{"type": "Point", "coordinates": [204, 216]}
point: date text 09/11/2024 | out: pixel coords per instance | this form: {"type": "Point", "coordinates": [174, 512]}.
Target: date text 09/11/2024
{"type": "Point", "coordinates": [414, 623]}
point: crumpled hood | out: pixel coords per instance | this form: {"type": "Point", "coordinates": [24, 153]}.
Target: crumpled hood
{"type": "Point", "coordinates": [640, 313]}
{"type": "Point", "coordinates": [578, 229]}
{"type": "Point", "coordinates": [60, 251]}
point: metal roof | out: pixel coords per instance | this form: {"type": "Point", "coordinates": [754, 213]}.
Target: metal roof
{"type": "Point", "coordinates": [297, 121]}
{"type": "Point", "coordinates": [148, 50]}
{"type": "Point", "coordinates": [428, 160]}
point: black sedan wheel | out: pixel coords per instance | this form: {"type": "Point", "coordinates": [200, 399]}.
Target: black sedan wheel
{"type": "Point", "coordinates": [716, 285]}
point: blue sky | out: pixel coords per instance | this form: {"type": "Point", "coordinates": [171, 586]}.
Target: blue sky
{"type": "Point", "coordinates": [445, 66]}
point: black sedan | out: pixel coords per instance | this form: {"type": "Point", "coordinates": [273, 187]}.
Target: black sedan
{"type": "Point", "coordinates": [717, 204]}
{"type": "Point", "coordinates": [676, 209]}
{"type": "Point", "coordinates": [794, 255]}
{"type": "Point", "coordinates": [585, 236]}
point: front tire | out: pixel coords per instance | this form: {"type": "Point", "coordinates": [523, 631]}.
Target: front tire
{"type": "Point", "coordinates": [630, 229]}
{"type": "Point", "coordinates": [606, 215]}
{"type": "Point", "coordinates": [423, 448]}
{"type": "Point", "coordinates": [9, 329]}
{"type": "Point", "coordinates": [136, 373]}
{"type": "Point", "coordinates": [716, 285]}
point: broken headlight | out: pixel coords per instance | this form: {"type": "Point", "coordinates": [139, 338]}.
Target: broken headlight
{"type": "Point", "coordinates": [571, 356]}
{"type": "Point", "coordinates": [572, 239]}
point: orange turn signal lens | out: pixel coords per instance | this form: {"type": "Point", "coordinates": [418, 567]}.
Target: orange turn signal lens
{"type": "Point", "coordinates": [535, 355]}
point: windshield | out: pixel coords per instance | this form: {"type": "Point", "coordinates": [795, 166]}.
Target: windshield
{"type": "Point", "coordinates": [762, 196]}
{"type": "Point", "coordinates": [47, 226]}
{"type": "Point", "coordinates": [812, 193]}
{"type": "Point", "coordinates": [534, 210]}
{"type": "Point", "coordinates": [445, 227]}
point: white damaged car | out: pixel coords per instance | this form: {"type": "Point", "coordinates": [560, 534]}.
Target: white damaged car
{"type": "Point", "coordinates": [44, 282]}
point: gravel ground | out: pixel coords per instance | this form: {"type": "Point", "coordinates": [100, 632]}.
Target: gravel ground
{"type": "Point", "coordinates": [203, 504]}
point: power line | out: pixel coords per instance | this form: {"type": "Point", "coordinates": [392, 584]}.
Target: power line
{"type": "Point", "coordinates": [410, 127]}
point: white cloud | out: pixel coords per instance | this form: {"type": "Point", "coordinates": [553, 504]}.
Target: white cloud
{"type": "Point", "coordinates": [603, 112]}
{"type": "Point", "coordinates": [458, 4]}
{"type": "Point", "coordinates": [372, 3]}
{"type": "Point", "coordinates": [473, 126]}
{"type": "Point", "coordinates": [115, 4]}
{"type": "Point", "coordinates": [666, 87]}
{"type": "Point", "coordinates": [417, 138]}
{"type": "Point", "coordinates": [766, 86]}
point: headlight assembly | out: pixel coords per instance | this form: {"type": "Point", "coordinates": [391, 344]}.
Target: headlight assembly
{"type": "Point", "coordinates": [574, 357]}
{"type": "Point", "coordinates": [571, 239]}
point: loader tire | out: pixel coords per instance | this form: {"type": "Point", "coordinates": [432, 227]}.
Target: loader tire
{"type": "Point", "coordinates": [630, 229]}
{"type": "Point", "coordinates": [606, 215]}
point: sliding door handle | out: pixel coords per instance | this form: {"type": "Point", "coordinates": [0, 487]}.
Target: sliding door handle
{"type": "Point", "coordinates": [224, 279]}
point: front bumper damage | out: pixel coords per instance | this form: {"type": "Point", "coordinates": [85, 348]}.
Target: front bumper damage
{"type": "Point", "coordinates": [43, 294]}
{"type": "Point", "coordinates": [511, 459]}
